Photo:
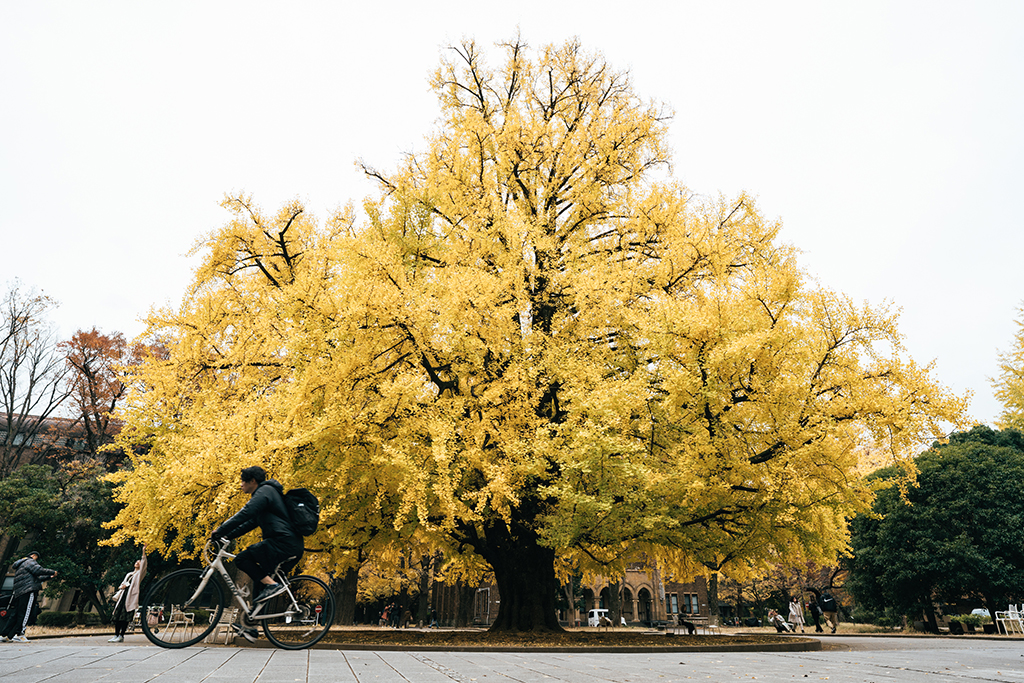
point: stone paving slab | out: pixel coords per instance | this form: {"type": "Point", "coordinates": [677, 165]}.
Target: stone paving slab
{"type": "Point", "coordinates": [846, 660]}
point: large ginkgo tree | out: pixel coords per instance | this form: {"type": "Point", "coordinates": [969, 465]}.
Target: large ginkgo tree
{"type": "Point", "coordinates": [535, 349]}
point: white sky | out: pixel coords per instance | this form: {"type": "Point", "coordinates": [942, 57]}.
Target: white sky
{"type": "Point", "coordinates": [887, 136]}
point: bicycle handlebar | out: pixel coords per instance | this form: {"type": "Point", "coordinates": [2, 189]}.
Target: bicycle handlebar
{"type": "Point", "coordinates": [221, 551]}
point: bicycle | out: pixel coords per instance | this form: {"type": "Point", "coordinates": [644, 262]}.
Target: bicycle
{"type": "Point", "coordinates": [185, 606]}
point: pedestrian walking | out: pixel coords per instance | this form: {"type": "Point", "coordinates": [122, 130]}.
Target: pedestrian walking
{"type": "Point", "coordinates": [829, 610]}
{"type": "Point", "coordinates": [395, 614]}
{"type": "Point", "coordinates": [28, 581]}
{"type": "Point", "coordinates": [815, 610]}
{"type": "Point", "coordinates": [796, 613]}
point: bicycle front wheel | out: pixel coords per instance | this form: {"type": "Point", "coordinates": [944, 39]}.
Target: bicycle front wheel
{"type": "Point", "coordinates": [300, 616]}
{"type": "Point", "coordinates": [179, 610]}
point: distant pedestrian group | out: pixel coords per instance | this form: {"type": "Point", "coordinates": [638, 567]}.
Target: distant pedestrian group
{"type": "Point", "coordinates": [823, 608]}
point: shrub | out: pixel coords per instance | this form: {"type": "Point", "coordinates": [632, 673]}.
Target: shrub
{"type": "Point", "coordinates": [886, 619]}
{"type": "Point", "coordinates": [859, 615]}
{"type": "Point", "coordinates": [64, 619]}
{"type": "Point", "coordinates": [972, 619]}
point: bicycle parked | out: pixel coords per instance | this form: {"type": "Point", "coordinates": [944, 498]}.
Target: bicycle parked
{"type": "Point", "coordinates": [185, 606]}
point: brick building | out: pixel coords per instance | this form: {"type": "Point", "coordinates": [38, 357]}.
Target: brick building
{"type": "Point", "coordinates": [645, 598]}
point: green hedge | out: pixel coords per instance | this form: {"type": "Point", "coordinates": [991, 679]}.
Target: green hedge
{"type": "Point", "coordinates": [63, 619]}
{"type": "Point", "coordinates": [885, 619]}
{"type": "Point", "coordinates": [972, 619]}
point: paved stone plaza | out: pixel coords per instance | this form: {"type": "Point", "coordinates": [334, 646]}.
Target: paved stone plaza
{"type": "Point", "coordinates": [847, 658]}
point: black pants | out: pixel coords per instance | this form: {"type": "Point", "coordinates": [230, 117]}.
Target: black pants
{"type": "Point", "coordinates": [21, 610]}
{"type": "Point", "coordinates": [260, 559]}
{"type": "Point", "coordinates": [816, 618]}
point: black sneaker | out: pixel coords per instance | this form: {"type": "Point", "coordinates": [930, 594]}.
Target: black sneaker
{"type": "Point", "coordinates": [269, 591]}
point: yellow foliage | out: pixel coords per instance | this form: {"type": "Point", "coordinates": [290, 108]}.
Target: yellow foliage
{"type": "Point", "coordinates": [528, 332]}
{"type": "Point", "coordinates": [1009, 385]}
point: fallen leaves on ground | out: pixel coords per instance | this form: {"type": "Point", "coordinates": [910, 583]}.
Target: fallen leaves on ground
{"type": "Point", "coordinates": [569, 639]}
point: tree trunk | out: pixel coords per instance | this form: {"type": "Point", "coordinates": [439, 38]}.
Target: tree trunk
{"type": "Point", "coordinates": [7, 548]}
{"type": "Point", "coordinates": [422, 615]}
{"type": "Point", "coordinates": [465, 595]}
{"type": "Point", "coordinates": [740, 608]}
{"type": "Point", "coordinates": [931, 622]}
{"type": "Point", "coordinates": [615, 602]}
{"type": "Point", "coordinates": [713, 611]}
{"type": "Point", "coordinates": [525, 573]}
{"type": "Point", "coordinates": [345, 589]}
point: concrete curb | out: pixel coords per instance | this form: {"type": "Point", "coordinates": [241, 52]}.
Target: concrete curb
{"type": "Point", "coordinates": [796, 645]}
{"type": "Point", "coordinates": [789, 644]}
{"type": "Point", "coordinates": [793, 643]}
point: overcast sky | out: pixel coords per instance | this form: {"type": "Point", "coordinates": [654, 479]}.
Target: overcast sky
{"type": "Point", "coordinates": [887, 136]}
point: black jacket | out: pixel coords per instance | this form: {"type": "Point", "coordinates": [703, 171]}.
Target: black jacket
{"type": "Point", "coordinates": [265, 510]}
{"type": "Point", "coordinates": [29, 576]}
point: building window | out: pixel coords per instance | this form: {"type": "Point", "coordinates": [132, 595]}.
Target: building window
{"type": "Point", "coordinates": [690, 603]}
{"type": "Point", "coordinates": [673, 602]}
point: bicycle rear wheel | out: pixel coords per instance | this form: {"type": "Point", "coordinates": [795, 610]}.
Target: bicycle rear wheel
{"type": "Point", "coordinates": [300, 616]}
{"type": "Point", "coordinates": [176, 613]}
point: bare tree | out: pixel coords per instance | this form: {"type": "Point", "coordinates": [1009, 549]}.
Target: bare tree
{"type": "Point", "coordinates": [32, 374]}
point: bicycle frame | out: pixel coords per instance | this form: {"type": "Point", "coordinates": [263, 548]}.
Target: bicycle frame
{"type": "Point", "coordinates": [252, 613]}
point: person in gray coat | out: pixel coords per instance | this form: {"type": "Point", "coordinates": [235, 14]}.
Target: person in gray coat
{"type": "Point", "coordinates": [28, 581]}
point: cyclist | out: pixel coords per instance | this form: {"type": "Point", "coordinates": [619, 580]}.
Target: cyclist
{"type": "Point", "coordinates": [265, 509]}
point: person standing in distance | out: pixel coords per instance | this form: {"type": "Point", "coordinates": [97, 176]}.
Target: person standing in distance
{"type": "Point", "coordinates": [796, 613]}
{"type": "Point", "coordinates": [126, 599]}
{"type": "Point", "coordinates": [266, 510]}
{"type": "Point", "coordinates": [28, 581]}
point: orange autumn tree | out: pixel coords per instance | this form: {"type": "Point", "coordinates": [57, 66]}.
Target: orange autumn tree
{"type": "Point", "coordinates": [538, 349]}
{"type": "Point", "coordinates": [98, 364]}
{"type": "Point", "coordinates": [96, 385]}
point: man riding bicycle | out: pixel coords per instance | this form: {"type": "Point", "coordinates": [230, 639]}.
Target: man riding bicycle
{"type": "Point", "coordinates": [188, 605]}
{"type": "Point", "coordinates": [266, 509]}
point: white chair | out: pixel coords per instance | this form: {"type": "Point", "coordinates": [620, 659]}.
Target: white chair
{"type": "Point", "coordinates": [1010, 621]}
{"type": "Point", "coordinates": [178, 620]}
{"type": "Point", "coordinates": [712, 626]}
{"type": "Point", "coordinates": [223, 626]}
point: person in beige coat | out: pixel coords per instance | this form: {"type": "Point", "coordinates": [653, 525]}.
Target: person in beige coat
{"type": "Point", "coordinates": [126, 599]}
{"type": "Point", "coordinates": [796, 613]}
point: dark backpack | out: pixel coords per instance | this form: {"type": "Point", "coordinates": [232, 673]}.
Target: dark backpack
{"type": "Point", "coordinates": [303, 510]}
